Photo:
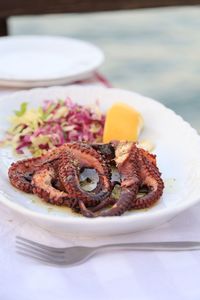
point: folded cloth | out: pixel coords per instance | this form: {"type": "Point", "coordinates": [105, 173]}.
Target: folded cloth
{"type": "Point", "coordinates": [114, 275]}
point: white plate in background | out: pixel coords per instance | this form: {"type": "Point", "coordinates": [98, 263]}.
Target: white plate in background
{"type": "Point", "coordinates": [177, 146]}
{"type": "Point", "coordinates": [33, 61]}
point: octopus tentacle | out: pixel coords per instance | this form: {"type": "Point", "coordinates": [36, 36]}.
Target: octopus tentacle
{"type": "Point", "coordinates": [20, 174]}
{"type": "Point", "coordinates": [90, 210]}
{"type": "Point", "coordinates": [126, 160]}
{"type": "Point", "coordinates": [150, 177]}
{"type": "Point", "coordinates": [149, 156]}
{"type": "Point", "coordinates": [105, 202]}
{"type": "Point", "coordinates": [71, 162]}
{"type": "Point", "coordinates": [42, 186]}
{"type": "Point", "coordinates": [56, 183]}
{"type": "Point", "coordinates": [106, 151]}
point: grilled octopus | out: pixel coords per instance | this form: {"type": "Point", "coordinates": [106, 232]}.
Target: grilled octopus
{"type": "Point", "coordinates": [55, 177]}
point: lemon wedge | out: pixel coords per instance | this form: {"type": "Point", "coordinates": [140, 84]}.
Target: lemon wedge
{"type": "Point", "coordinates": [123, 123]}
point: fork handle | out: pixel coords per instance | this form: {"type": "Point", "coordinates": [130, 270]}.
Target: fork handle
{"type": "Point", "coordinates": [154, 246]}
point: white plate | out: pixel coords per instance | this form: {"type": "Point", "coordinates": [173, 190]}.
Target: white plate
{"type": "Point", "coordinates": [177, 146]}
{"type": "Point", "coordinates": [32, 61]}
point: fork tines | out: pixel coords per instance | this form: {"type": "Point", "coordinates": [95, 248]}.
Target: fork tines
{"type": "Point", "coordinates": [40, 252]}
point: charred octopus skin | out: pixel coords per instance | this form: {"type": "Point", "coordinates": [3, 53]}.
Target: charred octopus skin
{"type": "Point", "coordinates": [55, 177]}
{"type": "Point", "coordinates": [42, 183]}
{"type": "Point", "coordinates": [72, 161]}
{"type": "Point", "coordinates": [106, 150]}
{"type": "Point", "coordinates": [21, 172]}
{"type": "Point", "coordinates": [137, 168]}
{"type": "Point", "coordinates": [151, 179]}
{"type": "Point", "coordinates": [127, 164]}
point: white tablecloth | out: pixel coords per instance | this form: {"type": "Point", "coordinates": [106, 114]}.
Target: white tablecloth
{"type": "Point", "coordinates": [115, 275]}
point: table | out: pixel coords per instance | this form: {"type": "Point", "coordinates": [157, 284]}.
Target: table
{"type": "Point", "coordinates": [114, 275]}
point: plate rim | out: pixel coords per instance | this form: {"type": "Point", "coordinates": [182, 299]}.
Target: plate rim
{"type": "Point", "coordinates": [101, 220]}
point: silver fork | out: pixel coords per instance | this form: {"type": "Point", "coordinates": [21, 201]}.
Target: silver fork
{"type": "Point", "coordinates": [78, 254]}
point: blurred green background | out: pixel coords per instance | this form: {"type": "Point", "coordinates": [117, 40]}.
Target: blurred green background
{"type": "Point", "coordinates": [155, 52]}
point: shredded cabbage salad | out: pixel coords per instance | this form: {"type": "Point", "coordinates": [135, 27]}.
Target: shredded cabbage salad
{"type": "Point", "coordinates": [52, 124]}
